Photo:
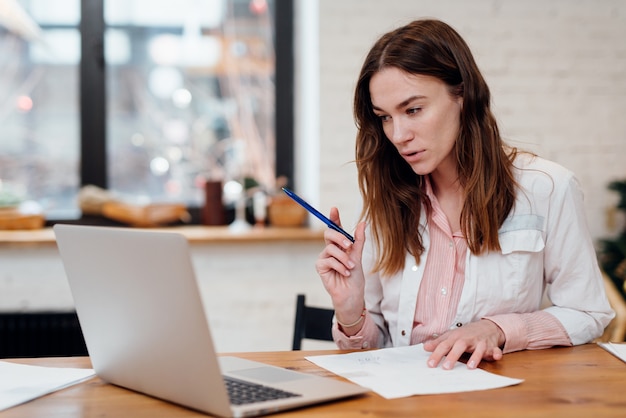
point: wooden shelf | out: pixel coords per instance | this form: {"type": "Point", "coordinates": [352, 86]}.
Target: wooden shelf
{"type": "Point", "coordinates": [195, 234]}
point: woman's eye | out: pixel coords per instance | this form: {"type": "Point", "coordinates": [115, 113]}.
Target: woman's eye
{"type": "Point", "coordinates": [413, 110]}
{"type": "Point", "coordinates": [384, 118]}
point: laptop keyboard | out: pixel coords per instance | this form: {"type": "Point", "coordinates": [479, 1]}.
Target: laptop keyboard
{"type": "Point", "coordinates": [241, 392]}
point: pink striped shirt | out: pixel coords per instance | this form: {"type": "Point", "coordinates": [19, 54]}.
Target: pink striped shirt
{"type": "Point", "coordinates": [444, 274]}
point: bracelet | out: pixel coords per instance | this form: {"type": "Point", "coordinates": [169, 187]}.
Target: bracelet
{"type": "Point", "coordinates": [357, 322]}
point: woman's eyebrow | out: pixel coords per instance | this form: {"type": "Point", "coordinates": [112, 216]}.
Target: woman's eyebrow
{"type": "Point", "coordinates": [409, 100]}
{"type": "Point", "coordinates": [401, 104]}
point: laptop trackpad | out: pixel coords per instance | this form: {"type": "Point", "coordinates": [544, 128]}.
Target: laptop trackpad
{"type": "Point", "coordinates": [268, 374]}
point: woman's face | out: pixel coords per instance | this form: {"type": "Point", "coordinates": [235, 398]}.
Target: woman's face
{"type": "Point", "coordinates": [420, 118]}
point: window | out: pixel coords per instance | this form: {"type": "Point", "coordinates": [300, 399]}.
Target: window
{"type": "Point", "coordinates": [39, 67]}
{"type": "Point", "coordinates": [145, 98]}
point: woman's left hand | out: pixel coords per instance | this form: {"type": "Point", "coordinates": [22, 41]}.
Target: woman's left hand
{"type": "Point", "coordinates": [482, 339]}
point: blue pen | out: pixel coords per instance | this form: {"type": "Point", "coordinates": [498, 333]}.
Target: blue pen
{"type": "Point", "coordinates": [315, 212]}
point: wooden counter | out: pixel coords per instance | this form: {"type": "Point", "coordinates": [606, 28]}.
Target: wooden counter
{"type": "Point", "coordinates": [194, 233]}
{"type": "Point", "coordinates": [248, 281]}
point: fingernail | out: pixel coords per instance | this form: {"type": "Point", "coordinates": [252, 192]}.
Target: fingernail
{"type": "Point", "coordinates": [346, 243]}
{"type": "Point", "coordinates": [471, 364]}
{"type": "Point", "coordinates": [447, 365]}
{"type": "Point", "coordinates": [351, 264]}
{"type": "Point", "coordinates": [431, 363]}
{"type": "Point", "coordinates": [347, 272]}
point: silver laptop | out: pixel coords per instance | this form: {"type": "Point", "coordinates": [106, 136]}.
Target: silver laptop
{"type": "Point", "coordinates": [141, 314]}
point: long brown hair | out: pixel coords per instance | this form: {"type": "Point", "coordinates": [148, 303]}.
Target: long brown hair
{"type": "Point", "coordinates": [394, 196]}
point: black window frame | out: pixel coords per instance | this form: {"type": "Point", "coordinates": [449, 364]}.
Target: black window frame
{"type": "Point", "coordinates": [93, 117]}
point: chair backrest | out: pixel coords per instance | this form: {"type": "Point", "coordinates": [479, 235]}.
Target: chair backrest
{"type": "Point", "coordinates": [41, 334]}
{"type": "Point", "coordinates": [311, 323]}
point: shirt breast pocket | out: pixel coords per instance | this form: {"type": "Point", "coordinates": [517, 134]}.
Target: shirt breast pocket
{"type": "Point", "coordinates": [512, 280]}
{"type": "Point", "coordinates": [522, 267]}
{"type": "Point", "coordinates": [521, 241]}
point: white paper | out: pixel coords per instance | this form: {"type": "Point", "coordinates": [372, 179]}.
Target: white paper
{"type": "Point", "coordinates": [402, 371]}
{"type": "Point", "coordinates": [21, 383]}
{"type": "Point", "coordinates": [618, 350]}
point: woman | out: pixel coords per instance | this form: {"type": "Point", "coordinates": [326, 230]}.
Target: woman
{"type": "Point", "coordinates": [460, 234]}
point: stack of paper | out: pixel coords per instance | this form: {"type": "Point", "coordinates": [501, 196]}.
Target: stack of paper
{"type": "Point", "coordinates": [618, 350]}
{"type": "Point", "coordinates": [402, 371]}
{"type": "Point", "coordinates": [21, 383]}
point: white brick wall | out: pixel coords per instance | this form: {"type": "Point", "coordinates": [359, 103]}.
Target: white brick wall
{"type": "Point", "coordinates": [556, 69]}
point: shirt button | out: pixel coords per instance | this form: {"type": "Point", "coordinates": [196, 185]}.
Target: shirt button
{"type": "Point", "coordinates": [451, 244]}
{"type": "Point", "coordinates": [366, 345]}
{"type": "Point", "coordinates": [458, 324]}
{"type": "Point", "coordinates": [435, 335]}
{"type": "Point", "coordinates": [403, 333]}
{"type": "Point", "coordinates": [444, 291]}
{"type": "Point", "coordinates": [414, 268]}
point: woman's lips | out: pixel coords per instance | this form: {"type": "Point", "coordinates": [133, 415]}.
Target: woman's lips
{"type": "Point", "coordinates": [412, 156]}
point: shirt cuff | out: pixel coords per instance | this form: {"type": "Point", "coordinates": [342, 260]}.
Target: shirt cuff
{"type": "Point", "coordinates": [366, 338]}
{"type": "Point", "coordinates": [531, 331]}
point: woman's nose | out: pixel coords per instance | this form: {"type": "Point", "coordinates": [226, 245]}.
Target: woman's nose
{"type": "Point", "coordinates": [401, 132]}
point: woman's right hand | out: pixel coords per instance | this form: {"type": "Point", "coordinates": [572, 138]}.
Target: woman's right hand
{"type": "Point", "coordinates": [339, 266]}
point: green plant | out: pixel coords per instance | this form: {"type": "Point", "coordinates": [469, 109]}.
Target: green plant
{"type": "Point", "coordinates": [612, 253]}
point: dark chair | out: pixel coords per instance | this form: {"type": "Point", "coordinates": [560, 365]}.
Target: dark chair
{"type": "Point", "coordinates": [311, 323]}
{"type": "Point", "coordinates": [40, 334]}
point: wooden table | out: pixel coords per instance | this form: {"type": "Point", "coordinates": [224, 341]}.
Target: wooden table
{"type": "Point", "coordinates": [583, 381]}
